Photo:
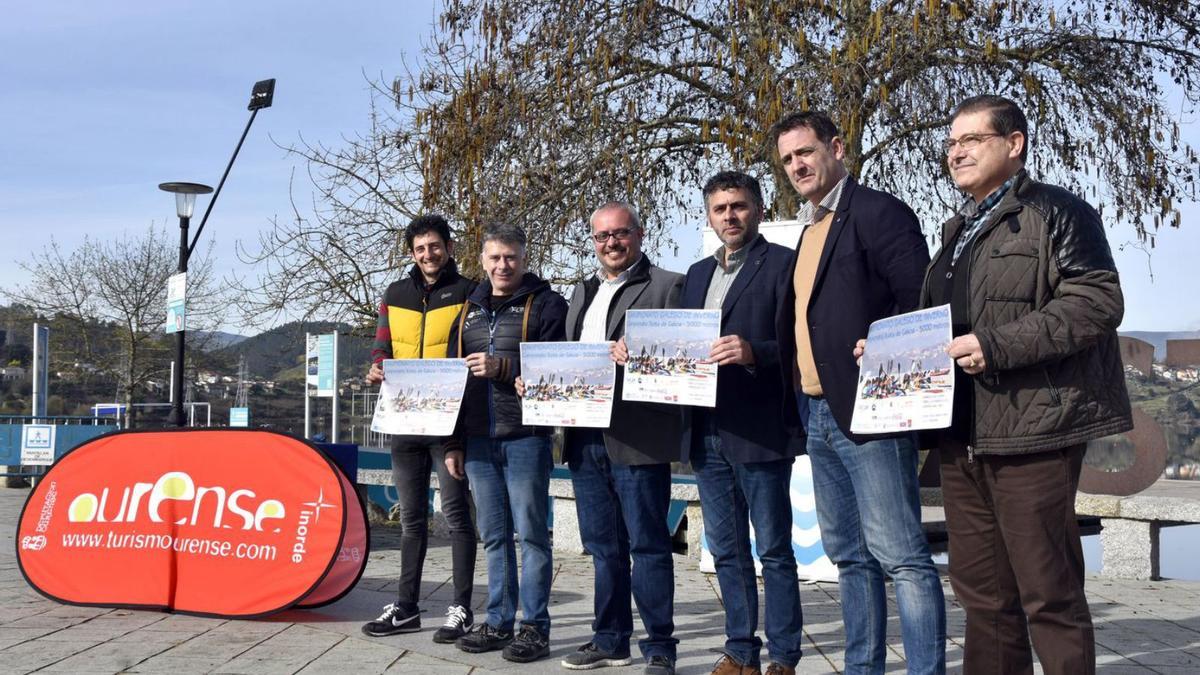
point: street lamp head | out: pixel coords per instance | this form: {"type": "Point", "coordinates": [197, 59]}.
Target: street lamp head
{"type": "Point", "coordinates": [262, 94]}
{"type": "Point", "coordinates": [185, 196]}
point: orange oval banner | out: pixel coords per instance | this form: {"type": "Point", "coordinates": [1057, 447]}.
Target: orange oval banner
{"type": "Point", "coordinates": [233, 523]}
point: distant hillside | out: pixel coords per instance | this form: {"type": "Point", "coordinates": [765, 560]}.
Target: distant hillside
{"type": "Point", "coordinates": [270, 354]}
{"type": "Point", "coordinates": [1159, 339]}
{"type": "Point", "coordinates": [216, 339]}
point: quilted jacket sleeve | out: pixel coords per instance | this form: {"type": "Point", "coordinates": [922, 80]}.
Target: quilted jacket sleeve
{"type": "Point", "coordinates": [1086, 303]}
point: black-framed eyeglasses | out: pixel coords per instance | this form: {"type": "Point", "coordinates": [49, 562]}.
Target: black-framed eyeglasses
{"type": "Point", "coordinates": [603, 237]}
{"type": "Point", "coordinates": [967, 141]}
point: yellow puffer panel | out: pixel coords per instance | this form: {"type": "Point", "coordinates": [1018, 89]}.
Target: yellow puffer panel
{"type": "Point", "coordinates": [405, 325]}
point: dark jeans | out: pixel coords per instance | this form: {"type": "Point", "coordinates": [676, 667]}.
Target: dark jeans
{"type": "Point", "coordinates": [732, 496]}
{"type": "Point", "coordinates": [412, 459]}
{"type": "Point", "coordinates": [1016, 563]}
{"type": "Point", "coordinates": [623, 513]}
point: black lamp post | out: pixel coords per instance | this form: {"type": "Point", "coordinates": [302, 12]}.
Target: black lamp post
{"type": "Point", "coordinates": [185, 202]}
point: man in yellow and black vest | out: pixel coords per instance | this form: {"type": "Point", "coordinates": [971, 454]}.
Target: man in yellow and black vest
{"type": "Point", "coordinates": [415, 318]}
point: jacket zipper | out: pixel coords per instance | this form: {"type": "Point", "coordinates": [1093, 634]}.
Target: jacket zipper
{"type": "Point", "coordinates": [492, 314]}
{"type": "Point", "coordinates": [424, 318]}
{"type": "Point", "coordinates": [995, 218]}
{"type": "Point", "coordinates": [971, 316]}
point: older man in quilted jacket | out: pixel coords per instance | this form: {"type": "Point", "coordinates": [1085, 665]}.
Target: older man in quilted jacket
{"type": "Point", "coordinates": [1035, 302]}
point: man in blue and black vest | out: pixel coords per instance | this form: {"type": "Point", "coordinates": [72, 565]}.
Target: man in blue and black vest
{"type": "Point", "coordinates": [508, 463]}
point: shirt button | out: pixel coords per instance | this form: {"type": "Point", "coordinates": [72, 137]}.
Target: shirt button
{"type": "Point", "coordinates": [949, 275]}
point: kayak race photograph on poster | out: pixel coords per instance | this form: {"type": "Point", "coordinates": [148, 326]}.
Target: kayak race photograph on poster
{"type": "Point", "coordinates": [668, 356]}
{"type": "Point", "coordinates": [568, 384]}
{"type": "Point", "coordinates": [420, 397]}
{"type": "Point", "coordinates": [906, 378]}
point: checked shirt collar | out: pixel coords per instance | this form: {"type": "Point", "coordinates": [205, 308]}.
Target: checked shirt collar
{"type": "Point", "coordinates": [975, 215]}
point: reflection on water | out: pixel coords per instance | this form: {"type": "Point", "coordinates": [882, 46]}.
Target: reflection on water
{"type": "Point", "coordinates": [1178, 549]}
{"type": "Point", "coordinates": [1112, 453]}
{"type": "Point", "coordinates": [1173, 406]}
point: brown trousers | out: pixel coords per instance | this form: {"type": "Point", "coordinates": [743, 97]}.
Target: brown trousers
{"type": "Point", "coordinates": [1016, 564]}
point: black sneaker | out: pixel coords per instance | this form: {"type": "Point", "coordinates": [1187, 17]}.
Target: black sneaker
{"type": "Point", "coordinates": [590, 656]}
{"type": "Point", "coordinates": [483, 639]}
{"type": "Point", "coordinates": [660, 665]}
{"type": "Point", "coordinates": [393, 621]}
{"type": "Point", "coordinates": [529, 645]}
{"type": "Point", "coordinates": [459, 621]}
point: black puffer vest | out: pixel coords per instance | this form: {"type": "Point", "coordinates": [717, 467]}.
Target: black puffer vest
{"type": "Point", "coordinates": [534, 313]}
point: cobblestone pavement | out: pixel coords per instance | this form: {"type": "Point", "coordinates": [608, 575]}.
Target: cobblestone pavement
{"type": "Point", "coordinates": [1142, 627]}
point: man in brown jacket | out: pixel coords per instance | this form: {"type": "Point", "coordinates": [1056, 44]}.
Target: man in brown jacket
{"type": "Point", "coordinates": [1035, 302]}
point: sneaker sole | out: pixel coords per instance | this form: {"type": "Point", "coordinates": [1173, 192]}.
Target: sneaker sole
{"type": "Point", "coordinates": [396, 631]}
{"type": "Point", "coordinates": [526, 659]}
{"type": "Point", "coordinates": [451, 640]}
{"type": "Point", "coordinates": [602, 663]}
{"type": "Point", "coordinates": [471, 649]}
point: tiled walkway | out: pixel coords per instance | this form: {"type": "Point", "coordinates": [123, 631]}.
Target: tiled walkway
{"type": "Point", "coordinates": [1142, 627]}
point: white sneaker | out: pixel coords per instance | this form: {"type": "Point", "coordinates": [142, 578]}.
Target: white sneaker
{"type": "Point", "coordinates": [459, 622]}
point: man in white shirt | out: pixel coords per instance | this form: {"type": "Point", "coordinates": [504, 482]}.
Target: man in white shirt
{"type": "Point", "coordinates": [622, 474]}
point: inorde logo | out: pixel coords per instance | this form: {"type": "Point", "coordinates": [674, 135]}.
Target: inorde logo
{"type": "Point", "coordinates": [231, 523]}
{"type": "Point", "coordinates": [176, 486]}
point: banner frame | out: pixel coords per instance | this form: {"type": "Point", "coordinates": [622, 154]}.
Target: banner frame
{"type": "Point", "coordinates": [295, 603]}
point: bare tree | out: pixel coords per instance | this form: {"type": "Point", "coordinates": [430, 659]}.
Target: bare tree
{"type": "Point", "coordinates": [665, 91]}
{"type": "Point", "coordinates": [117, 287]}
{"type": "Point", "coordinates": [535, 111]}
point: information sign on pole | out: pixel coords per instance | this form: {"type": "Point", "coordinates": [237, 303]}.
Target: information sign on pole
{"type": "Point", "coordinates": [325, 364]}
{"type": "Point", "coordinates": [239, 417]}
{"type": "Point", "coordinates": [37, 444]}
{"type": "Point", "coordinates": [176, 296]}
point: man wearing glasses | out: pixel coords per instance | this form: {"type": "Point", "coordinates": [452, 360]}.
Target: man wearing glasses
{"type": "Point", "coordinates": [1035, 302]}
{"type": "Point", "coordinates": [622, 475]}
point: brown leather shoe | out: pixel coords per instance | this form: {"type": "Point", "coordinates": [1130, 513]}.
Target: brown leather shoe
{"type": "Point", "coordinates": [727, 666]}
{"type": "Point", "coordinates": [780, 669]}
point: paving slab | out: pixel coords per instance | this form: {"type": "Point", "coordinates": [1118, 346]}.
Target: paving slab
{"type": "Point", "coordinates": [1141, 626]}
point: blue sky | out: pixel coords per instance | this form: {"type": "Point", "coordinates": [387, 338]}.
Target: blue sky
{"type": "Point", "coordinates": [101, 102]}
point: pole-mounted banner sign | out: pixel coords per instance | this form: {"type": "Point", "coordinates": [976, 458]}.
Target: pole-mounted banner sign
{"type": "Point", "coordinates": [230, 523]}
{"type": "Point", "coordinates": [177, 302]}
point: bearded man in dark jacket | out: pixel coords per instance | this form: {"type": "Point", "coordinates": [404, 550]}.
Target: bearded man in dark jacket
{"type": "Point", "coordinates": [508, 463]}
{"type": "Point", "coordinates": [1035, 302]}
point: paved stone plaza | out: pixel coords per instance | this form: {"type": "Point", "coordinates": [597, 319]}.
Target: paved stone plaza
{"type": "Point", "coordinates": [1142, 627]}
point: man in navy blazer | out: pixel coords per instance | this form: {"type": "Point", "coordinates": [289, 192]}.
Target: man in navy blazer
{"type": "Point", "coordinates": [861, 257]}
{"type": "Point", "coordinates": [741, 452]}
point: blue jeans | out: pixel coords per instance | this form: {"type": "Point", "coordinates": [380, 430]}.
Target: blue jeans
{"type": "Point", "coordinates": [510, 479]}
{"type": "Point", "coordinates": [869, 509]}
{"type": "Point", "coordinates": [623, 512]}
{"type": "Point", "coordinates": [731, 497]}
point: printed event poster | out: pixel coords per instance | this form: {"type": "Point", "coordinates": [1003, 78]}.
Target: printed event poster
{"type": "Point", "coordinates": [906, 380]}
{"type": "Point", "coordinates": [568, 384]}
{"type": "Point", "coordinates": [667, 350]}
{"type": "Point", "coordinates": [420, 397]}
